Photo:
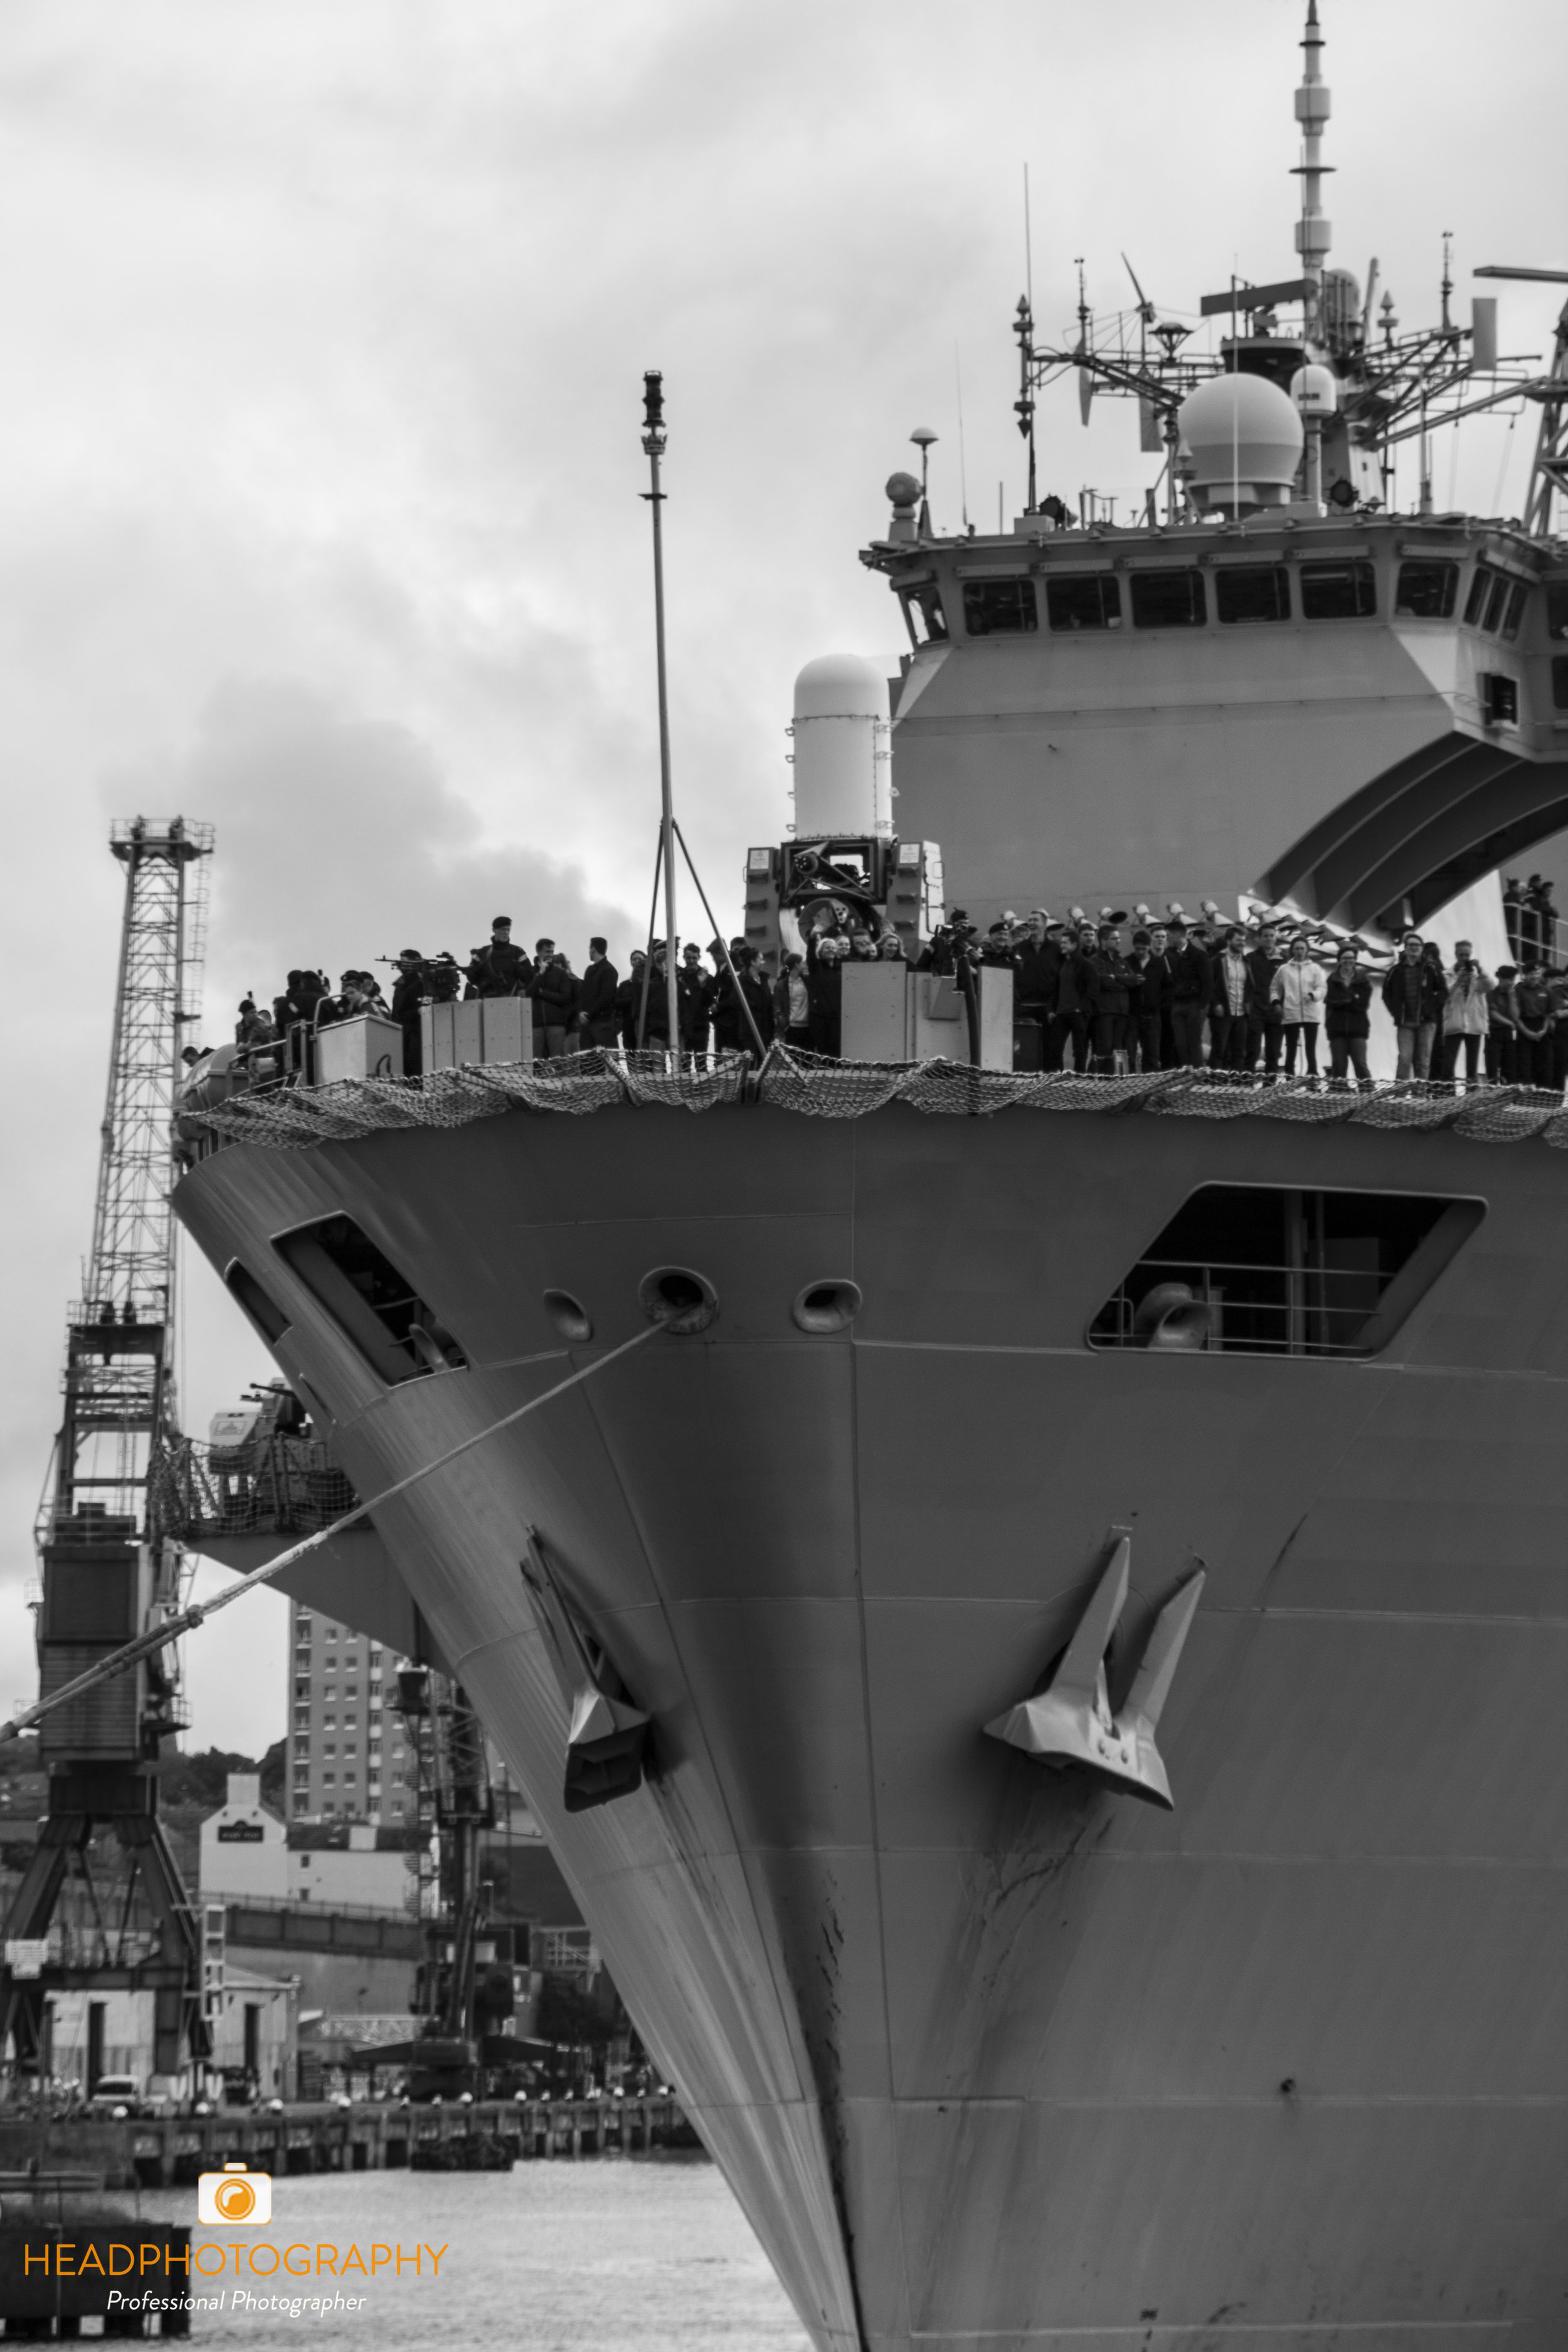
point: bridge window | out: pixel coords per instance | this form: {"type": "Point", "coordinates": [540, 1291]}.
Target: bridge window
{"type": "Point", "coordinates": [1276, 1271]}
{"type": "Point", "coordinates": [923, 616]}
{"type": "Point", "coordinates": [1488, 601]}
{"type": "Point", "coordinates": [995, 608]}
{"type": "Point", "coordinates": [1252, 592]}
{"type": "Point", "coordinates": [373, 1304]}
{"type": "Point", "coordinates": [1083, 600]}
{"type": "Point", "coordinates": [1557, 609]}
{"type": "Point", "coordinates": [1427, 591]}
{"type": "Point", "coordinates": [1168, 600]}
{"type": "Point", "coordinates": [1517, 597]}
{"type": "Point", "coordinates": [1338, 592]}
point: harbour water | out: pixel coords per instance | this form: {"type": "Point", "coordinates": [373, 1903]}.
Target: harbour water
{"type": "Point", "coordinates": [614, 2254]}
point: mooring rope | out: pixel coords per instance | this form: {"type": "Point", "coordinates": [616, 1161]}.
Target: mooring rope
{"type": "Point", "coordinates": [198, 1612]}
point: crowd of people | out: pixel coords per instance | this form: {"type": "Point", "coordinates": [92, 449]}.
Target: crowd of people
{"type": "Point", "coordinates": [729, 1003]}
{"type": "Point", "coordinates": [1088, 995]}
{"type": "Point", "coordinates": [1267, 995]}
{"type": "Point", "coordinates": [1530, 916]}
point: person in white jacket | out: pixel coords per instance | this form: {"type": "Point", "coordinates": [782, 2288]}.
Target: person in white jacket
{"type": "Point", "coordinates": [1298, 988]}
{"type": "Point", "coordinates": [1467, 1012]}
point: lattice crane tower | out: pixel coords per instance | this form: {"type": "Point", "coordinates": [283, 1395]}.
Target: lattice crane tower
{"type": "Point", "coordinates": [110, 1572]}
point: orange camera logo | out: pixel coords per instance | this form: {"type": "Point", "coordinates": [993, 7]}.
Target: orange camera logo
{"type": "Point", "coordinates": [234, 2194]}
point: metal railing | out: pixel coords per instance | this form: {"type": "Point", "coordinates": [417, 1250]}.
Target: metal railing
{"type": "Point", "coordinates": [1247, 1307]}
{"type": "Point", "coordinates": [271, 1486]}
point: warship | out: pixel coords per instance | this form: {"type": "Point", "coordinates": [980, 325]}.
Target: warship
{"type": "Point", "coordinates": [1041, 1666]}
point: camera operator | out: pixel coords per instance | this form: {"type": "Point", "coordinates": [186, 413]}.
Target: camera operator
{"type": "Point", "coordinates": [1467, 1015]}
{"type": "Point", "coordinates": [950, 943]}
{"type": "Point", "coordinates": [408, 995]}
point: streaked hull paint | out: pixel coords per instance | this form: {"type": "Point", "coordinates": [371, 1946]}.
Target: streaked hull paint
{"type": "Point", "coordinates": [989, 2057]}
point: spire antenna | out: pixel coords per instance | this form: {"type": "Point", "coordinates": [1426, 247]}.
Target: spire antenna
{"type": "Point", "coordinates": [1313, 232]}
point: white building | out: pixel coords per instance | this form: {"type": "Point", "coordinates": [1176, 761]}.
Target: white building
{"type": "Point", "coordinates": [244, 1845]}
{"type": "Point", "coordinates": [334, 1864]}
{"type": "Point", "coordinates": [248, 1855]}
{"type": "Point", "coordinates": [254, 2026]}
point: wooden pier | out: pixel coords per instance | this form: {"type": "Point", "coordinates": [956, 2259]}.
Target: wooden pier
{"type": "Point", "coordinates": [487, 2136]}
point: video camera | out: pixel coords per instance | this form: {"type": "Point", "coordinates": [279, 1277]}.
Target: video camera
{"type": "Point", "coordinates": [854, 867]}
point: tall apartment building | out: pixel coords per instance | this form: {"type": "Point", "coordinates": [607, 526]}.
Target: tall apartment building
{"type": "Point", "coordinates": [349, 1752]}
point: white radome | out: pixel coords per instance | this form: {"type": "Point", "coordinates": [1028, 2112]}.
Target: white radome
{"type": "Point", "coordinates": [1247, 439]}
{"type": "Point", "coordinates": [841, 769]}
{"type": "Point", "coordinates": [1315, 390]}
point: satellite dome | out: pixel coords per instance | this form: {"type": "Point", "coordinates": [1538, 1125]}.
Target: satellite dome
{"type": "Point", "coordinates": [1315, 390]}
{"type": "Point", "coordinates": [903, 490]}
{"type": "Point", "coordinates": [1247, 439]}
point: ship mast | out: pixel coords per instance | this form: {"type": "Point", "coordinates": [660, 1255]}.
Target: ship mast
{"type": "Point", "coordinates": [653, 446]}
{"type": "Point", "coordinates": [1313, 232]}
{"type": "Point", "coordinates": [1413, 385]}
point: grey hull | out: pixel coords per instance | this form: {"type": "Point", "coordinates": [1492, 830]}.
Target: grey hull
{"type": "Point", "coordinates": [992, 2057]}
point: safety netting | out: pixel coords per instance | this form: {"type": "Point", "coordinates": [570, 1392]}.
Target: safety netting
{"type": "Point", "coordinates": [291, 1117]}
{"type": "Point", "coordinates": [271, 1484]}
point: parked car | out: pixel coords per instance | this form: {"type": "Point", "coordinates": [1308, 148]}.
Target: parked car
{"type": "Point", "coordinates": [115, 2094]}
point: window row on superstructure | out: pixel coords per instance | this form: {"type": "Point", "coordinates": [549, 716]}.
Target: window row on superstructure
{"type": "Point", "coordinates": [1230, 593]}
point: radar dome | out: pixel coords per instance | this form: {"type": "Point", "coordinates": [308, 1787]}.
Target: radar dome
{"type": "Point", "coordinates": [840, 685]}
{"type": "Point", "coordinates": [842, 783]}
{"type": "Point", "coordinates": [1247, 440]}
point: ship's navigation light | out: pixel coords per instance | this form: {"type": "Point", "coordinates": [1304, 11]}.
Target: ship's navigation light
{"type": "Point", "coordinates": [826, 1306]}
{"type": "Point", "coordinates": [570, 1317]}
{"type": "Point", "coordinates": [684, 1302]}
{"type": "Point", "coordinates": [653, 412]}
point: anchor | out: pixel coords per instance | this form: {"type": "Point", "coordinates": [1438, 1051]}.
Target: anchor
{"type": "Point", "coordinates": [1070, 1721]}
{"type": "Point", "coordinates": [607, 1735]}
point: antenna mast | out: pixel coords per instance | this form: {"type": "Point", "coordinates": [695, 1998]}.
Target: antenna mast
{"type": "Point", "coordinates": [652, 442]}
{"type": "Point", "coordinates": [1314, 233]}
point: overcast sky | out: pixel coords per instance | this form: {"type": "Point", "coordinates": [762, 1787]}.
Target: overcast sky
{"type": "Point", "coordinates": [323, 335]}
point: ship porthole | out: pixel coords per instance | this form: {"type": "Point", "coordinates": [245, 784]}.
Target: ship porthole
{"type": "Point", "coordinates": [826, 1306]}
{"type": "Point", "coordinates": [569, 1315]}
{"type": "Point", "coordinates": [682, 1301]}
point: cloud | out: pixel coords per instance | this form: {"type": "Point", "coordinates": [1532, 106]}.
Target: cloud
{"type": "Point", "coordinates": [340, 840]}
{"type": "Point", "coordinates": [320, 484]}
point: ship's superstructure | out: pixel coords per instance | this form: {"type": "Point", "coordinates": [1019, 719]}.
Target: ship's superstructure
{"type": "Point", "coordinates": [1269, 683]}
{"type": "Point", "coordinates": [1042, 1670]}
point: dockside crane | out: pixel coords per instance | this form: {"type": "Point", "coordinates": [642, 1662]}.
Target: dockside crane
{"type": "Point", "coordinates": [110, 1569]}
